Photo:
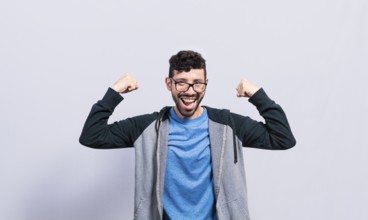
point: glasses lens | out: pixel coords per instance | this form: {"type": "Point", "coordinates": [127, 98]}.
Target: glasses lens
{"type": "Point", "coordinates": [199, 87]}
{"type": "Point", "coordinates": [182, 87]}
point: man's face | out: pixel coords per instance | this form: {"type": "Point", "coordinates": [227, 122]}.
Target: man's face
{"type": "Point", "coordinates": [187, 103]}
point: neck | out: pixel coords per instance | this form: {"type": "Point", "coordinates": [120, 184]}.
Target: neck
{"type": "Point", "coordinates": [196, 114]}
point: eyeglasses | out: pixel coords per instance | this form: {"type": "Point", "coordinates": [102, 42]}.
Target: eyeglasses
{"type": "Point", "coordinates": [184, 86]}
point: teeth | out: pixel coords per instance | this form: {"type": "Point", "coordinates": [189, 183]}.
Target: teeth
{"type": "Point", "coordinates": [189, 100]}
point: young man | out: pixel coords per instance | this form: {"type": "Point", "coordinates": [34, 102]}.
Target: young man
{"type": "Point", "coordinates": [189, 160]}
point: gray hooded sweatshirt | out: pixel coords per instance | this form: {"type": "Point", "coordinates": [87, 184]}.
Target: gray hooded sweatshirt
{"type": "Point", "coordinates": [229, 133]}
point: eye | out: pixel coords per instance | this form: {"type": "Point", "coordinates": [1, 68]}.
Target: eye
{"type": "Point", "coordinates": [199, 83]}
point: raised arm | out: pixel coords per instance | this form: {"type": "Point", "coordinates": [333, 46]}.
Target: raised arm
{"type": "Point", "coordinates": [275, 133]}
{"type": "Point", "coordinates": [97, 133]}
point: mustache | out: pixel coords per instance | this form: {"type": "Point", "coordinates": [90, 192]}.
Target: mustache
{"type": "Point", "coordinates": [188, 96]}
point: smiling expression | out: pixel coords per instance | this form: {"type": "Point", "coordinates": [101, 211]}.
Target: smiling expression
{"type": "Point", "coordinates": [187, 103]}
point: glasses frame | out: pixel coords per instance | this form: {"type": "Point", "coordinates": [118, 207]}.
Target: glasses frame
{"type": "Point", "coordinates": [189, 85]}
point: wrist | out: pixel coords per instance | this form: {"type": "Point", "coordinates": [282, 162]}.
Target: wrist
{"type": "Point", "coordinates": [253, 91]}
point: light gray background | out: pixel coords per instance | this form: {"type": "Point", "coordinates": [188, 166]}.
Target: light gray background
{"type": "Point", "coordinates": [57, 58]}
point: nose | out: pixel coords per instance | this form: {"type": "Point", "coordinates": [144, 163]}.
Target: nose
{"type": "Point", "coordinates": [191, 89]}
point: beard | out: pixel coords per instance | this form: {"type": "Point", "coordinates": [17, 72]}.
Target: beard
{"type": "Point", "coordinates": [187, 105]}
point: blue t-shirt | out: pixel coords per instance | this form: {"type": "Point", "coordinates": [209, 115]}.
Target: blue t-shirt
{"type": "Point", "coordinates": [188, 188]}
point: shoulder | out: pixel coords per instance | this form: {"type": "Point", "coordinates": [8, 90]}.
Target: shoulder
{"type": "Point", "coordinates": [226, 117]}
{"type": "Point", "coordinates": [221, 116]}
{"type": "Point", "coordinates": [151, 117]}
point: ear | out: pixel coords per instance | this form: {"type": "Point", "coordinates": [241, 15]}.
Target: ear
{"type": "Point", "coordinates": [168, 83]}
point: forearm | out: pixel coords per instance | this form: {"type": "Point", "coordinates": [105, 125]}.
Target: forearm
{"type": "Point", "coordinates": [275, 133]}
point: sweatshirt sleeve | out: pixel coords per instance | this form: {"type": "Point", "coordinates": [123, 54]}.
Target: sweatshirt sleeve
{"type": "Point", "coordinates": [97, 133]}
{"type": "Point", "coordinates": [274, 134]}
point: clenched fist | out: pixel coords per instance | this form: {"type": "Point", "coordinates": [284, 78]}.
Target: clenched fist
{"type": "Point", "coordinates": [125, 84]}
{"type": "Point", "coordinates": [246, 89]}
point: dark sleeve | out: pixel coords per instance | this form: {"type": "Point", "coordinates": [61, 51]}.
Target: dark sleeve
{"type": "Point", "coordinates": [97, 133]}
{"type": "Point", "coordinates": [274, 134]}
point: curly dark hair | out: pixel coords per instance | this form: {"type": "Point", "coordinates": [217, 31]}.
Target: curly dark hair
{"type": "Point", "coordinates": [186, 60]}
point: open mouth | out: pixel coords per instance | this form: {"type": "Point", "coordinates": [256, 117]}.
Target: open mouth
{"type": "Point", "coordinates": [188, 101]}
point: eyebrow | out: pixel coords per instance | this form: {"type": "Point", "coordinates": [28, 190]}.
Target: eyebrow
{"type": "Point", "coordinates": [185, 80]}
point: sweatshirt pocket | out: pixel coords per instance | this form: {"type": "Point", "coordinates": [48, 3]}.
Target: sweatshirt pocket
{"type": "Point", "coordinates": [138, 209]}
{"type": "Point", "coordinates": [146, 210]}
{"type": "Point", "coordinates": [235, 210]}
